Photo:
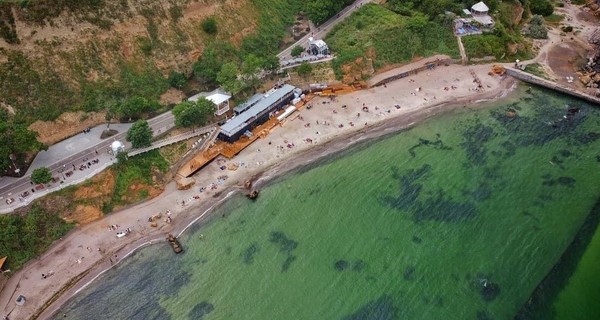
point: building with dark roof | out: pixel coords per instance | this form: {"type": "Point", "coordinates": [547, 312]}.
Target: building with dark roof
{"type": "Point", "coordinates": [256, 111]}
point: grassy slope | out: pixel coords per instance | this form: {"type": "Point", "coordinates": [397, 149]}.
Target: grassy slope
{"type": "Point", "coordinates": [103, 65]}
{"type": "Point", "coordinates": [375, 27]}
{"type": "Point", "coordinates": [497, 43]}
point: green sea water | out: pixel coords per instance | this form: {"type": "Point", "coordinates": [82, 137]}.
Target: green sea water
{"type": "Point", "coordinates": [460, 217]}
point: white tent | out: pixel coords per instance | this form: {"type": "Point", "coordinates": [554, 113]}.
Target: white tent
{"type": "Point", "coordinates": [480, 7]}
{"type": "Point", "coordinates": [117, 146]}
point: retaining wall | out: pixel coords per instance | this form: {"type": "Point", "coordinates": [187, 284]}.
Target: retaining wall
{"type": "Point", "coordinates": [527, 77]}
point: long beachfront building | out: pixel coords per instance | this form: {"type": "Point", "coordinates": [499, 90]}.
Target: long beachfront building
{"type": "Point", "coordinates": [256, 111]}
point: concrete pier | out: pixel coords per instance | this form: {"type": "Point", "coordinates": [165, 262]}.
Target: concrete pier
{"type": "Point", "coordinates": [528, 77]}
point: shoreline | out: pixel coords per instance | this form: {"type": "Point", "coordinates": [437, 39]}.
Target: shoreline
{"type": "Point", "coordinates": [45, 297]}
{"type": "Point", "coordinates": [270, 174]}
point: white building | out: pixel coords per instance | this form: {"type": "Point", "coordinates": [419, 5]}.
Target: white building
{"type": "Point", "coordinates": [218, 96]}
{"type": "Point", "coordinates": [316, 47]}
{"type": "Point", "coordinates": [479, 12]}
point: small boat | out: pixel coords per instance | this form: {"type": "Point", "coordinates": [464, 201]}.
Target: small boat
{"type": "Point", "coordinates": [174, 243]}
{"type": "Point", "coordinates": [253, 195]}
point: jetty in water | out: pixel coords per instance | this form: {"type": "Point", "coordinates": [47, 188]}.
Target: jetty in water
{"type": "Point", "coordinates": [528, 77]}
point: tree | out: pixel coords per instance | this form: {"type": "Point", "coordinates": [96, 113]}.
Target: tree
{"type": "Point", "coordinates": [140, 134]}
{"type": "Point", "coordinates": [108, 116]}
{"type": "Point", "coordinates": [251, 70]}
{"type": "Point", "coordinates": [209, 25]}
{"type": "Point", "coordinates": [320, 10]}
{"type": "Point", "coordinates": [297, 50]}
{"type": "Point", "coordinates": [16, 139]}
{"type": "Point", "coordinates": [541, 7]}
{"type": "Point", "coordinates": [177, 79]}
{"type": "Point", "coordinates": [41, 175]}
{"type": "Point", "coordinates": [135, 106]}
{"type": "Point", "coordinates": [189, 114]}
{"type": "Point", "coordinates": [304, 69]}
{"type": "Point", "coordinates": [228, 78]}
{"type": "Point", "coordinates": [271, 64]}
{"type": "Point", "coordinates": [537, 29]}
{"type": "Point", "coordinates": [213, 57]}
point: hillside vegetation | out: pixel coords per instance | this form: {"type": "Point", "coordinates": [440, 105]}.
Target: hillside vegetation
{"type": "Point", "coordinates": [375, 36]}
{"type": "Point", "coordinates": [65, 55]}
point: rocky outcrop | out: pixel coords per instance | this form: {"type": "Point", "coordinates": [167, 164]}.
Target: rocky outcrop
{"type": "Point", "coordinates": [589, 75]}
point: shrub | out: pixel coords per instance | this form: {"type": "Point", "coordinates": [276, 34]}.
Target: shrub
{"type": "Point", "coordinates": [177, 79]}
{"type": "Point", "coordinates": [304, 69]}
{"type": "Point", "coordinates": [22, 237]}
{"type": "Point", "coordinates": [209, 25]}
{"type": "Point", "coordinates": [567, 29]}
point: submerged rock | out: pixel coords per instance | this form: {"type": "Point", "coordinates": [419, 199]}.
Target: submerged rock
{"type": "Point", "coordinates": [340, 265]}
{"type": "Point", "coordinates": [489, 290]}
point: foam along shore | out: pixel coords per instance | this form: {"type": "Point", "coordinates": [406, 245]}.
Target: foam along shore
{"type": "Point", "coordinates": [328, 126]}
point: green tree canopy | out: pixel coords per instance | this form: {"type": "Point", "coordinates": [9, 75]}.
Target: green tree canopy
{"type": "Point", "coordinates": [189, 114]}
{"type": "Point", "coordinates": [271, 63]}
{"type": "Point", "coordinates": [140, 134]}
{"type": "Point", "coordinates": [228, 78]}
{"type": "Point", "coordinates": [251, 70]}
{"type": "Point", "coordinates": [297, 50]}
{"type": "Point", "coordinates": [541, 7]}
{"type": "Point", "coordinates": [537, 29]}
{"type": "Point", "coordinates": [304, 69]}
{"type": "Point", "coordinates": [135, 106]}
{"type": "Point", "coordinates": [16, 139]}
{"type": "Point", "coordinates": [319, 11]}
{"type": "Point", "coordinates": [213, 57]}
{"type": "Point", "coordinates": [41, 175]}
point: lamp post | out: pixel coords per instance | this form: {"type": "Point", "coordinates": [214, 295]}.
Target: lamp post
{"type": "Point", "coordinates": [12, 159]}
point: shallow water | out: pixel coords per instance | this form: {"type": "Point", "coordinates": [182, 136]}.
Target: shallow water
{"type": "Point", "coordinates": [458, 218]}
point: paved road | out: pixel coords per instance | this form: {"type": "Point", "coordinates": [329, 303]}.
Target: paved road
{"type": "Point", "coordinates": [322, 30]}
{"type": "Point", "coordinates": [71, 153]}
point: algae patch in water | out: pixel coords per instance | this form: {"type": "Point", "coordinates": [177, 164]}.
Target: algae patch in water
{"type": "Point", "coordinates": [475, 137]}
{"type": "Point", "coordinates": [437, 144]}
{"type": "Point", "coordinates": [436, 208]}
{"type": "Point", "coordinates": [381, 309]}
{"type": "Point", "coordinates": [200, 310]}
{"type": "Point", "coordinates": [286, 245]}
{"type": "Point", "coordinates": [248, 254]}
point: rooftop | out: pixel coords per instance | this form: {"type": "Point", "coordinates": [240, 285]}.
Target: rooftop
{"type": "Point", "coordinates": [248, 103]}
{"type": "Point", "coordinates": [480, 7]}
{"type": "Point", "coordinates": [216, 96]}
{"type": "Point", "coordinates": [262, 103]}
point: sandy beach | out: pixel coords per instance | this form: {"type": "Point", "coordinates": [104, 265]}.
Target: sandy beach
{"type": "Point", "coordinates": [328, 126]}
